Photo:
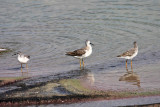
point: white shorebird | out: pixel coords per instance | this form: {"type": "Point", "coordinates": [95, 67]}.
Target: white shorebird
{"type": "Point", "coordinates": [23, 59]}
{"type": "Point", "coordinates": [82, 53]}
{"type": "Point", "coordinates": [2, 49]}
{"type": "Point", "coordinates": [130, 54]}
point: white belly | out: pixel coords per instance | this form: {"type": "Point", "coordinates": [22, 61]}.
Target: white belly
{"type": "Point", "coordinates": [88, 53]}
{"type": "Point", "coordinates": [131, 57]}
{"type": "Point", "coordinates": [23, 60]}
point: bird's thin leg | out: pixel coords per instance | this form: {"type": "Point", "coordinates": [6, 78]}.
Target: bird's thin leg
{"type": "Point", "coordinates": [83, 63]}
{"type": "Point", "coordinates": [127, 69]}
{"type": "Point", "coordinates": [27, 67]}
{"type": "Point", "coordinates": [131, 65]}
{"type": "Point", "coordinates": [22, 74]}
{"type": "Point", "coordinates": [21, 67]}
{"type": "Point", "coordinates": [126, 64]}
{"type": "Point", "coordinates": [80, 63]}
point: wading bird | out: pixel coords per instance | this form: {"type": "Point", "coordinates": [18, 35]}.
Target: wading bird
{"type": "Point", "coordinates": [130, 54]}
{"type": "Point", "coordinates": [23, 59]}
{"type": "Point", "coordinates": [82, 53]}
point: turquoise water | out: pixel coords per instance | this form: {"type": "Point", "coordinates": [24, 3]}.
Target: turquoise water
{"type": "Point", "coordinates": [46, 29]}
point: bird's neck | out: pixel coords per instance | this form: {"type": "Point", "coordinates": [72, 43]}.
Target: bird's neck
{"type": "Point", "coordinates": [89, 47]}
{"type": "Point", "coordinates": [19, 55]}
{"type": "Point", "coordinates": [135, 46]}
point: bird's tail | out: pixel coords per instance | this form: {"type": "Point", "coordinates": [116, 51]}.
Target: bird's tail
{"type": "Point", "coordinates": [69, 53]}
{"type": "Point", "coordinates": [119, 56]}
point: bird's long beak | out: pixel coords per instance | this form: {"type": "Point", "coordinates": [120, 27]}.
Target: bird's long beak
{"type": "Point", "coordinates": [92, 44]}
{"type": "Point", "coordinates": [14, 54]}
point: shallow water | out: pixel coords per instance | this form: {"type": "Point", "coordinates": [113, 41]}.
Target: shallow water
{"type": "Point", "coordinates": [141, 79]}
{"type": "Point", "coordinates": [46, 29]}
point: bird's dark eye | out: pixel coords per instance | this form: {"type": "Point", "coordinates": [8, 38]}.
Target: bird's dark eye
{"type": "Point", "coordinates": [91, 43]}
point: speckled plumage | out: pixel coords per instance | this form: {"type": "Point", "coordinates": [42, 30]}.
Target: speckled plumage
{"type": "Point", "coordinates": [130, 54]}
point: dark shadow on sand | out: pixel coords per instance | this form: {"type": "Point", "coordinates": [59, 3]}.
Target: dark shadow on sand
{"type": "Point", "coordinates": [33, 82]}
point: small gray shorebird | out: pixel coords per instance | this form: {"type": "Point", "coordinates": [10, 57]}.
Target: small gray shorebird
{"type": "Point", "coordinates": [130, 54]}
{"type": "Point", "coordinates": [23, 59]}
{"type": "Point", "coordinates": [82, 53]}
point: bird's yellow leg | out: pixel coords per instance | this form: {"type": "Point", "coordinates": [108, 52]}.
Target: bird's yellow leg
{"type": "Point", "coordinates": [21, 67]}
{"type": "Point", "coordinates": [127, 69]}
{"type": "Point", "coordinates": [83, 63]}
{"type": "Point", "coordinates": [126, 64]}
{"type": "Point", "coordinates": [80, 63]}
{"type": "Point", "coordinates": [27, 67]}
{"type": "Point", "coordinates": [131, 65]}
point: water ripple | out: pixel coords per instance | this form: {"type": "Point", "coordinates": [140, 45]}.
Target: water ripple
{"type": "Point", "coordinates": [47, 29]}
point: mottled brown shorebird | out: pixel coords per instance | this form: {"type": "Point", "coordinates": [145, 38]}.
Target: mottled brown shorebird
{"type": "Point", "coordinates": [130, 54]}
{"type": "Point", "coordinates": [82, 53]}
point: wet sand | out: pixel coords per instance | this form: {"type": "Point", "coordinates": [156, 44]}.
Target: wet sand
{"type": "Point", "coordinates": [9, 80]}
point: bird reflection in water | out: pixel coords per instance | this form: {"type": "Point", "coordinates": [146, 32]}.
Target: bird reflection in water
{"type": "Point", "coordinates": [25, 74]}
{"type": "Point", "coordinates": [131, 77]}
{"type": "Point", "coordinates": [88, 78]}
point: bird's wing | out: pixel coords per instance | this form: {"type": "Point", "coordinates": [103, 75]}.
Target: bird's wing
{"type": "Point", "coordinates": [127, 53]}
{"type": "Point", "coordinates": [78, 52]}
